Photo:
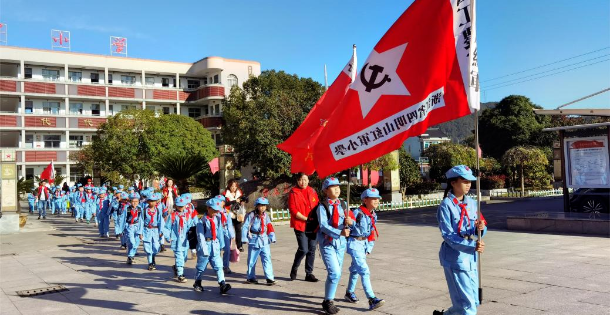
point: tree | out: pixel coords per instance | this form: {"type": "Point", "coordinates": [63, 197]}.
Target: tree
{"type": "Point", "coordinates": [512, 123]}
{"type": "Point", "coordinates": [410, 174]}
{"type": "Point", "coordinates": [264, 114]}
{"type": "Point", "coordinates": [131, 142]}
{"type": "Point", "coordinates": [528, 162]}
{"type": "Point", "coordinates": [181, 167]}
{"type": "Point", "coordinates": [446, 155]}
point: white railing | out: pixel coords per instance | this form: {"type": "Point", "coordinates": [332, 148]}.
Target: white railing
{"type": "Point", "coordinates": [530, 193]}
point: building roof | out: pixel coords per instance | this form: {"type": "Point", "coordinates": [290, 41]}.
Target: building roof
{"type": "Point", "coordinates": [433, 133]}
{"type": "Point", "coordinates": [578, 127]}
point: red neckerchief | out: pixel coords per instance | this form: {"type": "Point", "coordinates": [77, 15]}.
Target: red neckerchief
{"type": "Point", "coordinates": [464, 212]}
{"type": "Point", "coordinates": [101, 203]}
{"type": "Point", "coordinates": [374, 233]}
{"type": "Point", "coordinates": [57, 193]}
{"type": "Point", "coordinates": [213, 226]}
{"type": "Point", "coordinates": [335, 215]}
{"type": "Point", "coordinates": [133, 214]}
{"type": "Point", "coordinates": [82, 197]}
{"type": "Point", "coordinates": [223, 218]}
{"type": "Point", "coordinates": [89, 195]}
{"type": "Point", "coordinates": [152, 212]}
{"type": "Point", "coordinates": [181, 223]}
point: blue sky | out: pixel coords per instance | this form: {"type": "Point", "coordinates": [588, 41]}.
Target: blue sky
{"type": "Point", "coordinates": [301, 36]}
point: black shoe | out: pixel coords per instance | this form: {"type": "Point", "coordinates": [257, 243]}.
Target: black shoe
{"type": "Point", "coordinates": [329, 307]}
{"type": "Point", "coordinates": [130, 260]}
{"type": "Point", "coordinates": [151, 267]}
{"type": "Point", "coordinates": [154, 262]}
{"type": "Point", "coordinates": [375, 303]}
{"type": "Point", "coordinates": [227, 271]}
{"type": "Point", "coordinates": [311, 278]}
{"type": "Point", "coordinates": [251, 281]}
{"type": "Point", "coordinates": [241, 249]}
{"type": "Point", "coordinates": [44, 218]}
{"type": "Point", "coordinates": [181, 279]}
{"type": "Point", "coordinates": [270, 282]}
{"type": "Point", "coordinates": [197, 286]}
{"type": "Point", "coordinates": [38, 217]}
{"type": "Point", "coordinates": [175, 271]}
{"type": "Point", "coordinates": [162, 249]}
{"type": "Point", "coordinates": [293, 274]}
{"type": "Point", "coordinates": [351, 297]}
{"type": "Point", "coordinates": [436, 312]}
{"type": "Point", "coordinates": [224, 288]}
{"type": "Point", "coordinates": [123, 247]}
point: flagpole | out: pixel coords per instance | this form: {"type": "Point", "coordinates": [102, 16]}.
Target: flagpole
{"type": "Point", "coordinates": [477, 149]}
{"type": "Point", "coordinates": [325, 79]}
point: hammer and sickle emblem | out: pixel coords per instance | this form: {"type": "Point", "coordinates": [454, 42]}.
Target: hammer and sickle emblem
{"type": "Point", "coordinates": [309, 156]}
{"type": "Point", "coordinates": [370, 84]}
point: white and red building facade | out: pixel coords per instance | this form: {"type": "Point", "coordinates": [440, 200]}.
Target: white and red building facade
{"type": "Point", "coordinates": [51, 102]}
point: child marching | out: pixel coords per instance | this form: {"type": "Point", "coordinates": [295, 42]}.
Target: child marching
{"type": "Point", "coordinates": [228, 234]}
{"type": "Point", "coordinates": [360, 244]}
{"type": "Point", "coordinates": [133, 226]}
{"type": "Point", "coordinates": [210, 237]}
{"type": "Point", "coordinates": [258, 232]}
{"type": "Point", "coordinates": [175, 232]}
{"type": "Point", "coordinates": [102, 205]}
{"type": "Point", "coordinates": [459, 224]}
{"type": "Point", "coordinates": [153, 228]}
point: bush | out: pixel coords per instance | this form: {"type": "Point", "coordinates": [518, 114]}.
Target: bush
{"type": "Point", "coordinates": [423, 188]}
{"type": "Point", "coordinates": [493, 182]}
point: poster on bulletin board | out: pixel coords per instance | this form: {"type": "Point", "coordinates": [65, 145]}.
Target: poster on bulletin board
{"type": "Point", "coordinates": [587, 162]}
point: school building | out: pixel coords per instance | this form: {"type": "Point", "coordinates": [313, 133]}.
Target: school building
{"type": "Point", "coordinates": [51, 102]}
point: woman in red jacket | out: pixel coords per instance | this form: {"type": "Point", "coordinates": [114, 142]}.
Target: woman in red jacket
{"type": "Point", "coordinates": [301, 200]}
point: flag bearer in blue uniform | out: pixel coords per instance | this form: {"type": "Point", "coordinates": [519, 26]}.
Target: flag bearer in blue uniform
{"type": "Point", "coordinates": [258, 232]}
{"type": "Point", "coordinates": [175, 232]}
{"type": "Point", "coordinates": [210, 240]}
{"type": "Point", "coordinates": [133, 226]}
{"type": "Point", "coordinates": [331, 236]}
{"type": "Point", "coordinates": [459, 224]}
{"type": "Point", "coordinates": [153, 228]}
{"type": "Point", "coordinates": [360, 243]}
{"type": "Point", "coordinates": [102, 204]}
{"type": "Point", "coordinates": [228, 234]}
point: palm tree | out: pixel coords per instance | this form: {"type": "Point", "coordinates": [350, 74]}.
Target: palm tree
{"type": "Point", "coordinates": [181, 167]}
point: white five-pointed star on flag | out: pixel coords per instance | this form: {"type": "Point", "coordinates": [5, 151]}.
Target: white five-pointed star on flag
{"type": "Point", "coordinates": [386, 81]}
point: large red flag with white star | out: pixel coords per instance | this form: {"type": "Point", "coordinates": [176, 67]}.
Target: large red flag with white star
{"type": "Point", "coordinates": [421, 73]}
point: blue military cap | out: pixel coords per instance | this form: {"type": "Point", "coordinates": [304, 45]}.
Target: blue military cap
{"type": "Point", "coordinates": [370, 193]}
{"type": "Point", "coordinates": [124, 195]}
{"type": "Point", "coordinates": [187, 196]}
{"type": "Point", "coordinates": [261, 201]}
{"type": "Point", "coordinates": [460, 171]}
{"type": "Point", "coordinates": [145, 193]}
{"type": "Point", "coordinates": [88, 187]}
{"type": "Point", "coordinates": [134, 196]}
{"type": "Point", "coordinates": [180, 202]}
{"type": "Point", "coordinates": [103, 190]}
{"type": "Point", "coordinates": [221, 198]}
{"type": "Point", "coordinates": [121, 187]}
{"type": "Point", "coordinates": [79, 185]}
{"type": "Point", "coordinates": [114, 188]}
{"type": "Point", "coordinates": [131, 188]}
{"type": "Point", "coordinates": [331, 181]}
{"type": "Point", "coordinates": [214, 204]}
{"type": "Point", "coordinates": [154, 197]}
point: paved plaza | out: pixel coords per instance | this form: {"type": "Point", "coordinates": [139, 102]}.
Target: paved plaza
{"type": "Point", "coordinates": [523, 273]}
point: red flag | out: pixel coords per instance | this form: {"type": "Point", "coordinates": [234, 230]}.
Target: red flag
{"type": "Point", "coordinates": [214, 167]}
{"type": "Point", "coordinates": [48, 173]}
{"type": "Point", "coordinates": [301, 142]}
{"type": "Point", "coordinates": [411, 80]}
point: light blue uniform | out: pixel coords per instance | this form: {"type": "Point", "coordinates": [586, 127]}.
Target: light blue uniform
{"type": "Point", "coordinates": [133, 228]}
{"type": "Point", "coordinates": [228, 233]}
{"type": "Point", "coordinates": [177, 234]}
{"type": "Point", "coordinates": [457, 254]}
{"type": "Point", "coordinates": [208, 248]}
{"type": "Point", "coordinates": [31, 202]}
{"type": "Point", "coordinates": [258, 232]}
{"type": "Point", "coordinates": [57, 201]}
{"type": "Point", "coordinates": [358, 249]}
{"type": "Point", "coordinates": [332, 246]}
{"type": "Point", "coordinates": [153, 227]}
{"type": "Point", "coordinates": [102, 204]}
{"type": "Point", "coordinates": [89, 205]}
{"type": "Point", "coordinates": [80, 200]}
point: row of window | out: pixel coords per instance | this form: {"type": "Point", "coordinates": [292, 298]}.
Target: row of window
{"type": "Point", "coordinates": [52, 108]}
{"type": "Point", "coordinates": [77, 76]}
{"type": "Point", "coordinates": [54, 141]}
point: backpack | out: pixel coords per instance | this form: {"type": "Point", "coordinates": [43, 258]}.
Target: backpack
{"type": "Point", "coordinates": [312, 225]}
{"type": "Point", "coordinates": [191, 236]}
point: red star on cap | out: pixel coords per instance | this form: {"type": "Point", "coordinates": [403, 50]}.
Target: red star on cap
{"type": "Point", "coordinates": [468, 169]}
